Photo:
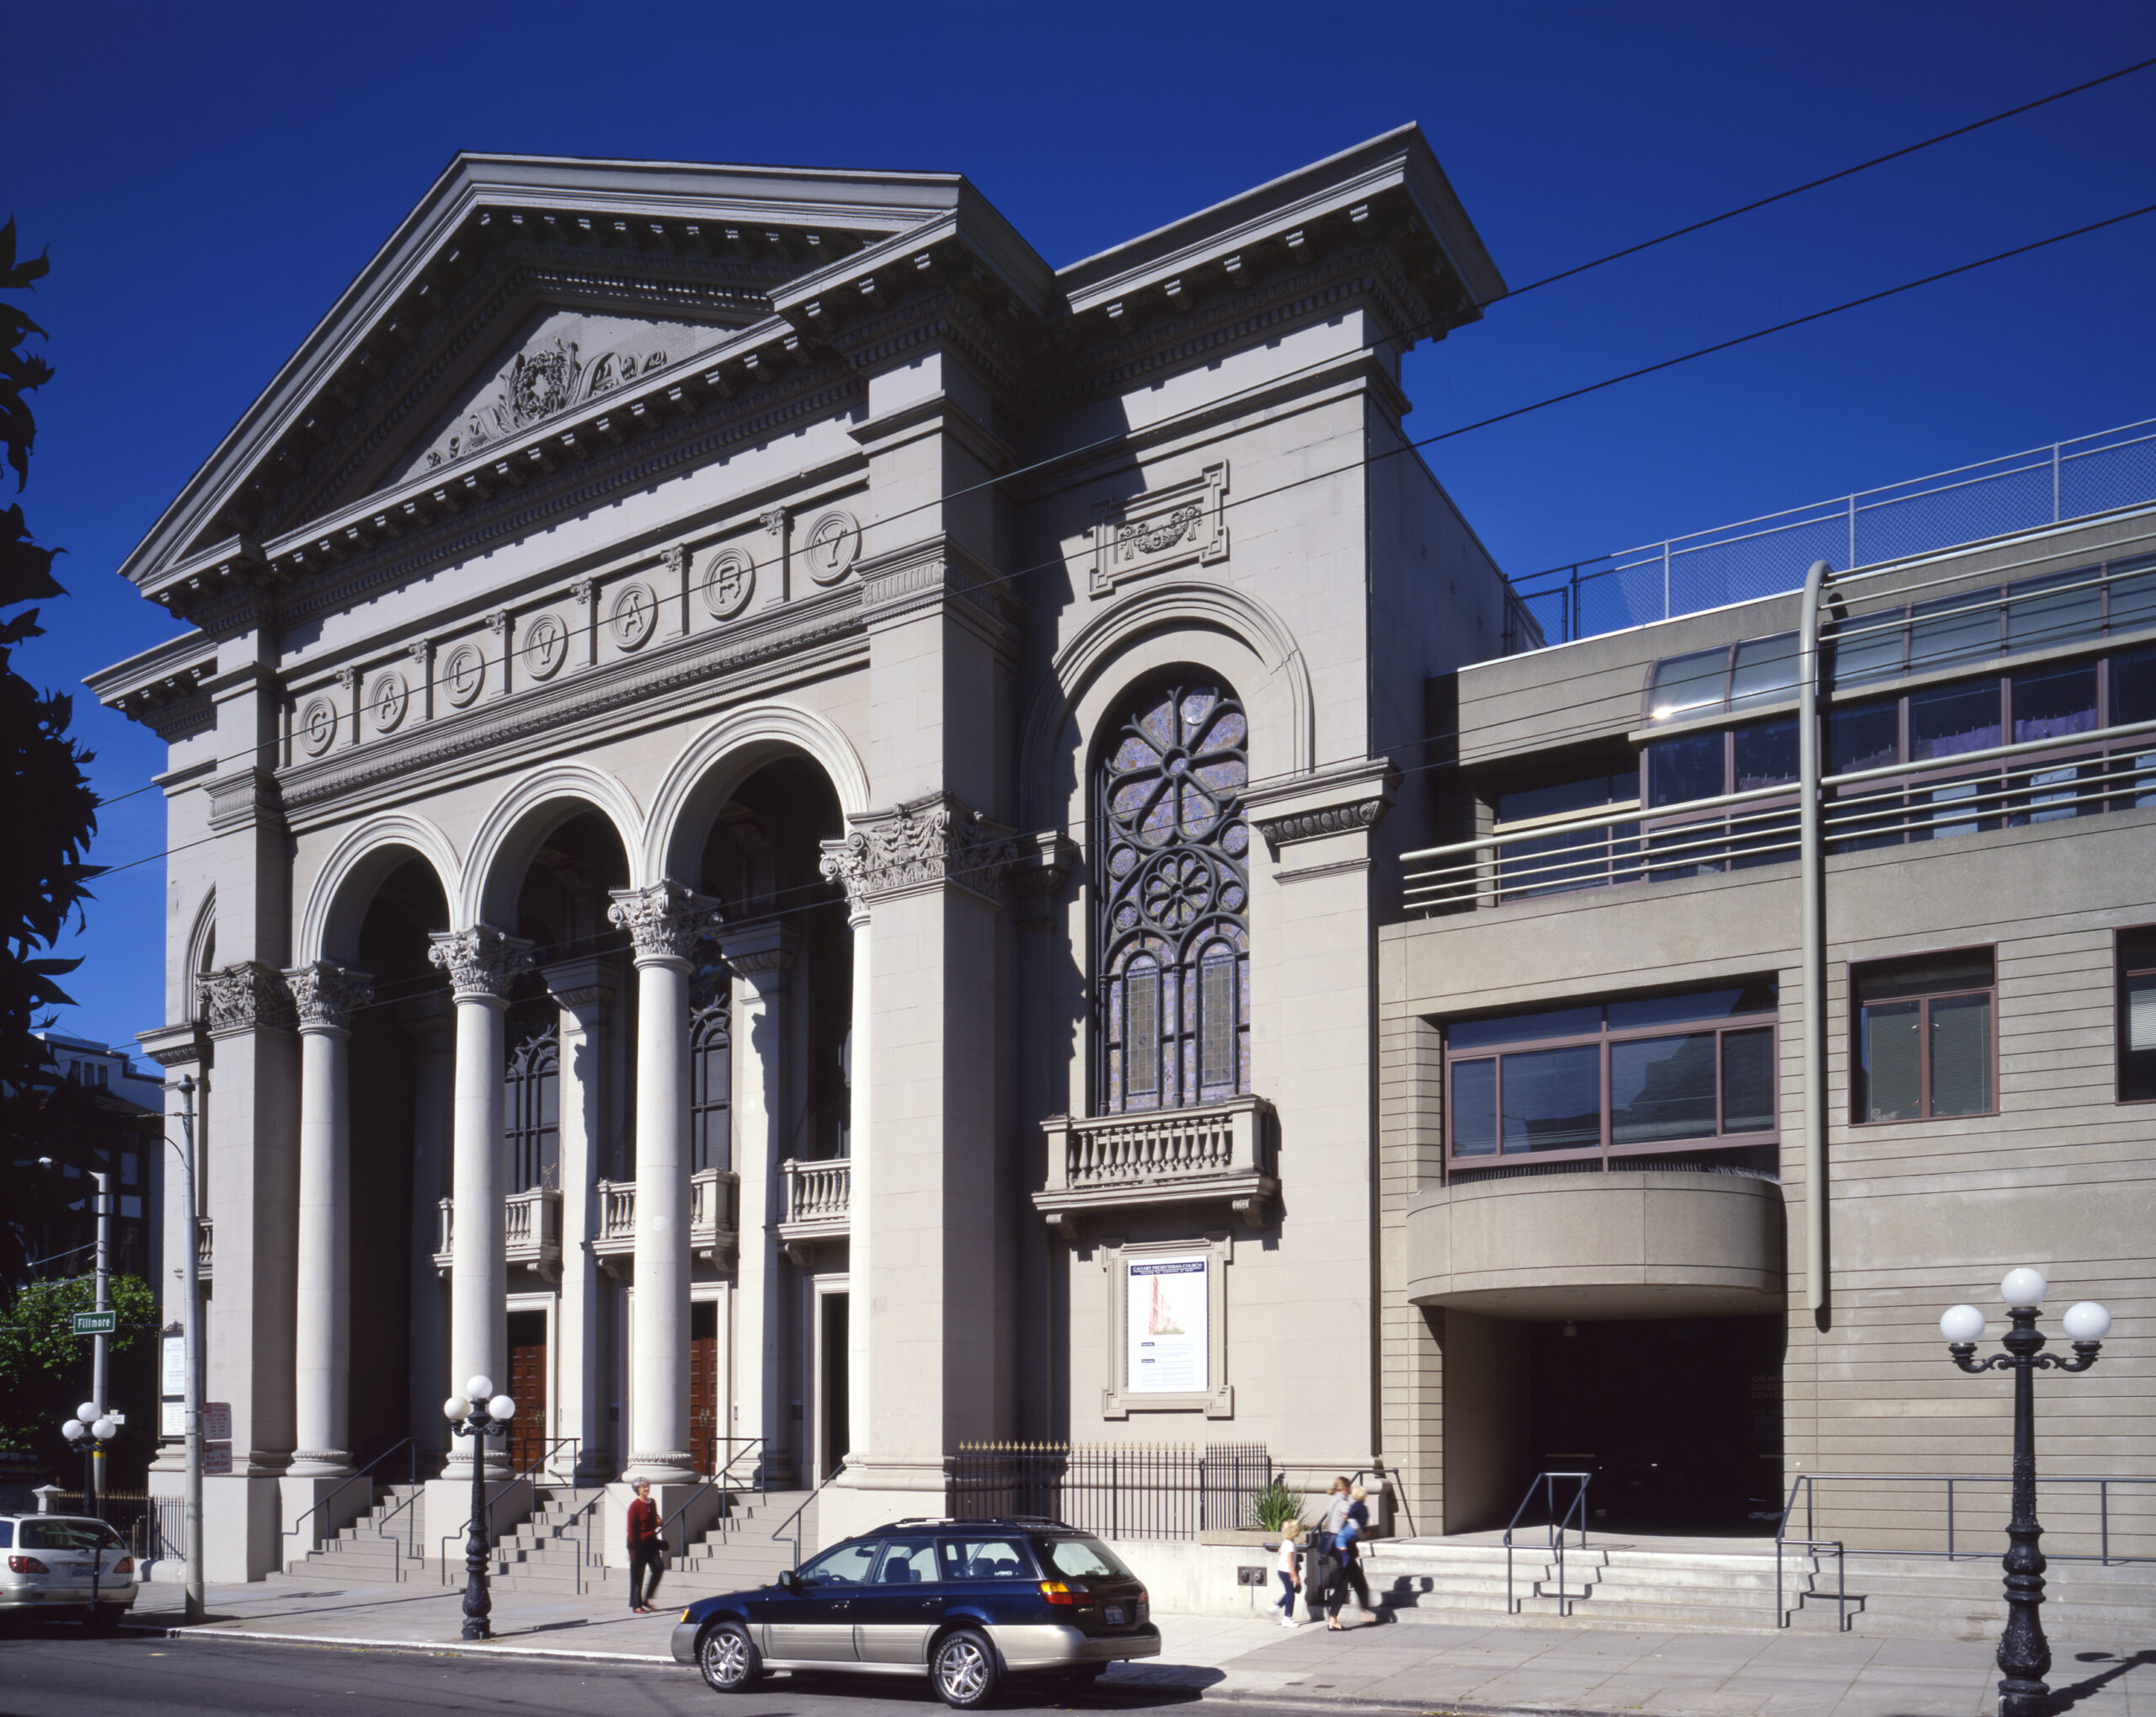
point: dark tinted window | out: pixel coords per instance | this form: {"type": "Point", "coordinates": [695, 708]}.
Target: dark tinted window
{"type": "Point", "coordinates": [906, 1562]}
{"type": "Point", "coordinates": [985, 1559]}
{"type": "Point", "coordinates": [1945, 721]}
{"type": "Point", "coordinates": [1687, 768]}
{"type": "Point", "coordinates": [1553, 1099]}
{"type": "Point", "coordinates": [2051, 703]}
{"type": "Point", "coordinates": [7, 1534]}
{"type": "Point", "coordinates": [1863, 735]}
{"type": "Point", "coordinates": [1517, 1028]}
{"type": "Point", "coordinates": [1755, 998]}
{"type": "Point", "coordinates": [2045, 611]}
{"type": "Point", "coordinates": [1475, 1108]}
{"type": "Point", "coordinates": [2132, 597]}
{"type": "Point", "coordinates": [1867, 646]}
{"type": "Point", "coordinates": [1766, 755]}
{"type": "Point", "coordinates": [1553, 798]}
{"type": "Point", "coordinates": [2133, 686]}
{"type": "Point", "coordinates": [1933, 971]}
{"type": "Point", "coordinates": [2137, 1026]}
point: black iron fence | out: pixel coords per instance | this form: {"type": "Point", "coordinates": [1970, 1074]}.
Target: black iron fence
{"type": "Point", "coordinates": [152, 1525]}
{"type": "Point", "coordinates": [1125, 1491]}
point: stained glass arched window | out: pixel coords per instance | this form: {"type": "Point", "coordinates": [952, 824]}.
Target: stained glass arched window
{"type": "Point", "coordinates": [711, 1087]}
{"type": "Point", "coordinates": [532, 1090]}
{"type": "Point", "coordinates": [1172, 950]}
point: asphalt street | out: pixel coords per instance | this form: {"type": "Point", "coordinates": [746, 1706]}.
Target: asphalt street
{"type": "Point", "coordinates": [54, 1671]}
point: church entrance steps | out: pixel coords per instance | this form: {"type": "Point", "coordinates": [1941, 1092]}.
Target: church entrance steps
{"type": "Point", "coordinates": [362, 1552]}
{"type": "Point", "coordinates": [547, 1554]}
{"type": "Point", "coordinates": [739, 1552]}
{"type": "Point", "coordinates": [1728, 1585]}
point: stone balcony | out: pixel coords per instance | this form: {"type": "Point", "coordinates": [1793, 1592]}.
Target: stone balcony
{"type": "Point", "coordinates": [1219, 1154]}
{"type": "Point", "coordinates": [531, 1230]}
{"type": "Point", "coordinates": [714, 1219]}
{"type": "Point", "coordinates": [819, 1202]}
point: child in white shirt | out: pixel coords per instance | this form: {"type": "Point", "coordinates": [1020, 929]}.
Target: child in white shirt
{"type": "Point", "coordinates": [1284, 1565]}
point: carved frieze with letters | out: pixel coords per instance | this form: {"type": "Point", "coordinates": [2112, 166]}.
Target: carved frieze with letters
{"type": "Point", "coordinates": [1181, 525]}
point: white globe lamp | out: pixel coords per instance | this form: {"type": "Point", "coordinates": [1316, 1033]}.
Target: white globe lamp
{"type": "Point", "coordinates": [2024, 1287]}
{"type": "Point", "coordinates": [1962, 1324]}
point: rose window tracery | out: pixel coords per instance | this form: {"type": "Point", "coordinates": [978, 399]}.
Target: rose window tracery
{"type": "Point", "coordinates": [1173, 940]}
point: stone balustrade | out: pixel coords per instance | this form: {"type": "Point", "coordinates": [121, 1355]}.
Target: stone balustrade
{"type": "Point", "coordinates": [531, 1227]}
{"type": "Point", "coordinates": [1218, 1153]}
{"type": "Point", "coordinates": [819, 1200]}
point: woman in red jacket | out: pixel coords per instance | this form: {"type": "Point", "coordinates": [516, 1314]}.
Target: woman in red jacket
{"type": "Point", "coordinates": [645, 1550]}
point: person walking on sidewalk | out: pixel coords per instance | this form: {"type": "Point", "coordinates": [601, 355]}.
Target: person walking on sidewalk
{"type": "Point", "coordinates": [1325, 1556]}
{"type": "Point", "coordinates": [1285, 1566]}
{"type": "Point", "coordinates": [1350, 1567]}
{"type": "Point", "coordinates": [646, 1552]}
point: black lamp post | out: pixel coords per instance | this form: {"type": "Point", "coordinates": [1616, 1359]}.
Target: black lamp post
{"type": "Point", "coordinates": [473, 1415]}
{"type": "Point", "coordinates": [2024, 1656]}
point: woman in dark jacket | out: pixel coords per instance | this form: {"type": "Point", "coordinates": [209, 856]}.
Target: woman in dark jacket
{"type": "Point", "coordinates": [646, 1552]}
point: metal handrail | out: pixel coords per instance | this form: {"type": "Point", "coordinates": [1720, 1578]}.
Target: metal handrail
{"type": "Point", "coordinates": [1557, 1529]}
{"type": "Point", "coordinates": [718, 1478]}
{"type": "Point", "coordinates": [1804, 1483]}
{"type": "Point", "coordinates": [293, 1529]}
{"type": "Point", "coordinates": [793, 1519]}
{"type": "Point", "coordinates": [396, 1542]}
{"type": "Point", "coordinates": [1841, 1580]}
{"type": "Point", "coordinates": [528, 1476]}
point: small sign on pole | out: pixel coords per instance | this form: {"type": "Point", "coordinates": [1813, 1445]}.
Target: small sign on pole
{"type": "Point", "coordinates": [96, 1323]}
{"type": "Point", "coordinates": [218, 1421]}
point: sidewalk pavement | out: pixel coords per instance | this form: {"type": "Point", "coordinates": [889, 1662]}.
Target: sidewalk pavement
{"type": "Point", "coordinates": [1397, 1667]}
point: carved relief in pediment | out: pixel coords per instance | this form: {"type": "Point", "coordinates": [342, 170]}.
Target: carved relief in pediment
{"type": "Point", "coordinates": [566, 360]}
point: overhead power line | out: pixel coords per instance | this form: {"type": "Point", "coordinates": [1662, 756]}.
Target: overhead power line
{"type": "Point", "coordinates": [1363, 461]}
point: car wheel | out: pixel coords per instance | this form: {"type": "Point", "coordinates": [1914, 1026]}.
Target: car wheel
{"type": "Point", "coordinates": [729, 1658]}
{"type": "Point", "coordinates": [964, 1670]}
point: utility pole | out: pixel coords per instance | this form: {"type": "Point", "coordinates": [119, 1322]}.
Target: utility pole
{"type": "Point", "coordinates": [191, 1351]}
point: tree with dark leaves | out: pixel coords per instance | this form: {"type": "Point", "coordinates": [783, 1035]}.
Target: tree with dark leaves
{"type": "Point", "coordinates": [51, 811]}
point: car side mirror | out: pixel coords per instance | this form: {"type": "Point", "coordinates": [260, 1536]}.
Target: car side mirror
{"type": "Point", "coordinates": [789, 1581]}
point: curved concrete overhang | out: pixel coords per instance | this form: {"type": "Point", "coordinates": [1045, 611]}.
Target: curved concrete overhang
{"type": "Point", "coordinates": [1632, 1243]}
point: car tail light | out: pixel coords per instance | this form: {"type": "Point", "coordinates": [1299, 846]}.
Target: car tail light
{"type": "Point", "coordinates": [126, 1565]}
{"type": "Point", "coordinates": [26, 1564]}
{"type": "Point", "coordinates": [1056, 1592]}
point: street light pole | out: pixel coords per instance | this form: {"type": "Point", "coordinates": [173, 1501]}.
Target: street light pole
{"type": "Point", "coordinates": [2024, 1656]}
{"type": "Point", "coordinates": [472, 1414]}
{"type": "Point", "coordinates": [102, 1198]}
{"type": "Point", "coordinates": [191, 1354]}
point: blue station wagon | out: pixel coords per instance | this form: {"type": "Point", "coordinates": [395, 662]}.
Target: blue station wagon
{"type": "Point", "coordinates": [964, 1602]}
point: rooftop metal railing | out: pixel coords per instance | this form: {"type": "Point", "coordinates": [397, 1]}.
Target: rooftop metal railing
{"type": "Point", "coordinates": [2032, 782]}
{"type": "Point", "coordinates": [1767, 556]}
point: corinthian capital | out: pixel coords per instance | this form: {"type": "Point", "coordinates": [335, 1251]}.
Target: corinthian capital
{"type": "Point", "coordinates": [242, 997]}
{"type": "Point", "coordinates": [922, 844]}
{"type": "Point", "coordinates": [483, 962]}
{"type": "Point", "coordinates": [664, 920]}
{"type": "Point", "coordinates": [326, 995]}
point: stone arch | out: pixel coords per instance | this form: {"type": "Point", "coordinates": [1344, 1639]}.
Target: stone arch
{"type": "Point", "coordinates": [201, 954]}
{"type": "Point", "coordinates": [718, 760]}
{"type": "Point", "coordinates": [517, 826]}
{"type": "Point", "coordinates": [337, 904]}
{"type": "Point", "coordinates": [1208, 626]}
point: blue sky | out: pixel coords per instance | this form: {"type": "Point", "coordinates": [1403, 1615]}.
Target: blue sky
{"type": "Point", "coordinates": [209, 178]}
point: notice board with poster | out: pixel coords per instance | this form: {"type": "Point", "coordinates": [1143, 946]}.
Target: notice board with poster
{"type": "Point", "coordinates": [1167, 1341]}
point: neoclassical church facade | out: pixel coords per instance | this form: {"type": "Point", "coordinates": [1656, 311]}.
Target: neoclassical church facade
{"type": "Point", "coordinates": [778, 816]}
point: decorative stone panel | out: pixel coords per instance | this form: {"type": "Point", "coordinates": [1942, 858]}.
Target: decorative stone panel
{"type": "Point", "coordinates": [1179, 526]}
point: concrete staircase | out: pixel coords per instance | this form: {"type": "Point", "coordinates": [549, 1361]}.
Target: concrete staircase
{"type": "Point", "coordinates": [361, 1554]}
{"type": "Point", "coordinates": [548, 1552]}
{"type": "Point", "coordinates": [1728, 1585]}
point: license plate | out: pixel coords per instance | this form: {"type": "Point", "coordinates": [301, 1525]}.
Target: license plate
{"type": "Point", "coordinates": [1113, 1612]}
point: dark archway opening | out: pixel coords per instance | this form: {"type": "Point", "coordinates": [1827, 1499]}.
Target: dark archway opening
{"type": "Point", "coordinates": [394, 1298]}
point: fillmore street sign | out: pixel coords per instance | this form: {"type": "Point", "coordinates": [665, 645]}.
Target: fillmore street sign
{"type": "Point", "coordinates": [96, 1323]}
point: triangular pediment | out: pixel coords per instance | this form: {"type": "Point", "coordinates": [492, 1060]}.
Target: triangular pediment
{"type": "Point", "coordinates": [522, 286]}
{"type": "Point", "coordinates": [563, 359]}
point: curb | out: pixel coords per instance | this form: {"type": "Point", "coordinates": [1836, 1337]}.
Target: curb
{"type": "Point", "coordinates": [1219, 1696]}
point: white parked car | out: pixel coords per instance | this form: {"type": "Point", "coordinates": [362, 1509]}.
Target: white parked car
{"type": "Point", "coordinates": [64, 1564]}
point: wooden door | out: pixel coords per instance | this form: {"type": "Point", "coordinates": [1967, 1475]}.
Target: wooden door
{"type": "Point", "coordinates": [704, 1451]}
{"type": "Point", "coordinates": [527, 1387]}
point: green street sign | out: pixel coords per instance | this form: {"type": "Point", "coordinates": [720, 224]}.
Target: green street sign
{"type": "Point", "coordinates": [96, 1323]}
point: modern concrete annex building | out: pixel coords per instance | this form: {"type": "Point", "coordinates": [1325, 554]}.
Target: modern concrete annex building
{"type": "Point", "coordinates": [805, 839]}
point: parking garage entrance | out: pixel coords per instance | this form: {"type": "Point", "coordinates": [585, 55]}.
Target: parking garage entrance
{"type": "Point", "coordinates": [1679, 1420]}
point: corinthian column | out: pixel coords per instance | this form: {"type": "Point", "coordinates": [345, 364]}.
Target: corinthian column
{"type": "Point", "coordinates": [483, 963]}
{"type": "Point", "coordinates": [325, 995]}
{"type": "Point", "coordinates": [663, 922]}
